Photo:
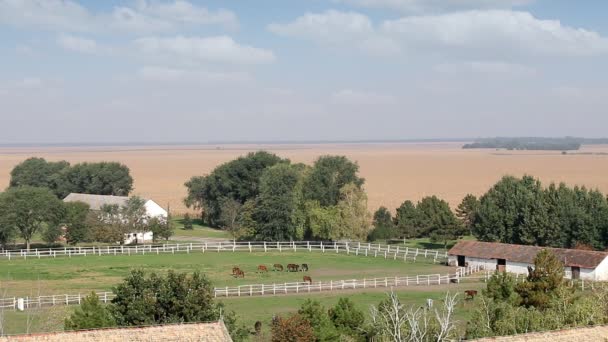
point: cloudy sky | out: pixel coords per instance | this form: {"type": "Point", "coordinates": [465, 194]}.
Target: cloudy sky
{"type": "Point", "coordinates": [175, 70]}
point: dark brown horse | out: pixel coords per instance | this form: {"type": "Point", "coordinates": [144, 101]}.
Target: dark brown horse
{"type": "Point", "coordinates": [239, 273]}
{"type": "Point", "coordinates": [307, 279]}
{"type": "Point", "coordinates": [293, 267]}
{"type": "Point", "coordinates": [277, 267]}
{"type": "Point", "coordinates": [235, 270]}
{"type": "Point", "coordinates": [470, 294]}
{"type": "Point", "coordinates": [304, 267]}
{"type": "Point", "coordinates": [262, 268]}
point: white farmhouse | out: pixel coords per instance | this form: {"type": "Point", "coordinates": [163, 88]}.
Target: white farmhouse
{"type": "Point", "coordinates": [579, 264]}
{"type": "Point", "coordinates": [96, 202]}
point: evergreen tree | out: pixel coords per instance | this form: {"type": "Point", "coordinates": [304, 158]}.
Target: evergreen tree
{"type": "Point", "coordinates": [347, 318]}
{"type": "Point", "coordinates": [91, 314]}
{"type": "Point", "coordinates": [544, 280]}
{"type": "Point", "coordinates": [465, 211]}
{"type": "Point", "coordinates": [407, 220]}
{"type": "Point", "coordinates": [187, 222]}
{"type": "Point", "coordinates": [316, 315]}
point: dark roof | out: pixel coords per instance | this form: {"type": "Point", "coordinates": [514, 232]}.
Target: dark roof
{"type": "Point", "coordinates": [526, 254]}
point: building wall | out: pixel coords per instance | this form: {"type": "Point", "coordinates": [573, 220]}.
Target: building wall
{"type": "Point", "coordinates": [601, 271]}
{"type": "Point", "coordinates": [155, 210]}
{"type": "Point", "coordinates": [139, 237]}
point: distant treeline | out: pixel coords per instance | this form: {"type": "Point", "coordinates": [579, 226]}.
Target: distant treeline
{"type": "Point", "coordinates": [535, 143]}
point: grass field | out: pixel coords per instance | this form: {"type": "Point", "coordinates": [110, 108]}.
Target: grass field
{"type": "Point", "coordinates": [393, 172]}
{"type": "Point", "coordinates": [250, 310]}
{"type": "Point", "coordinates": [83, 274]}
{"type": "Point", "coordinates": [199, 230]}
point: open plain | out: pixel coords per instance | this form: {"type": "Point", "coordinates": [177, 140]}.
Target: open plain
{"type": "Point", "coordinates": [394, 172]}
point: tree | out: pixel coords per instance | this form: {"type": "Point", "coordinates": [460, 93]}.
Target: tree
{"type": "Point", "coordinates": [91, 314]}
{"type": "Point", "coordinates": [238, 179]}
{"type": "Point", "coordinates": [29, 210]}
{"type": "Point", "coordinates": [161, 228]}
{"type": "Point", "coordinates": [292, 329]}
{"type": "Point", "coordinates": [407, 220]}
{"type": "Point", "coordinates": [104, 178]}
{"type": "Point", "coordinates": [437, 220]}
{"type": "Point", "coordinates": [276, 203]}
{"type": "Point", "coordinates": [229, 217]}
{"type": "Point", "coordinates": [384, 227]}
{"type": "Point", "coordinates": [75, 222]}
{"type": "Point", "coordinates": [106, 225]}
{"type": "Point", "coordinates": [38, 172]}
{"type": "Point", "coordinates": [501, 287]}
{"type": "Point", "coordinates": [328, 176]}
{"type": "Point", "coordinates": [187, 222]}
{"type": "Point", "coordinates": [355, 220]}
{"type": "Point", "coordinates": [322, 222]}
{"type": "Point", "coordinates": [347, 318]}
{"type": "Point", "coordinates": [134, 217]}
{"type": "Point", "coordinates": [316, 315]}
{"type": "Point", "coordinates": [543, 281]}
{"type": "Point", "coordinates": [465, 211]}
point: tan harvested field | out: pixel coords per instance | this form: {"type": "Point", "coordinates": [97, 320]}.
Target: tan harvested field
{"type": "Point", "coordinates": [394, 172]}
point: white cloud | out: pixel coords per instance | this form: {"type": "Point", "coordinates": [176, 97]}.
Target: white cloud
{"type": "Point", "coordinates": [474, 33]}
{"type": "Point", "coordinates": [492, 68]}
{"type": "Point", "coordinates": [222, 49]}
{"type": "Point", "coordinates": [145, 16]}
{"type": "Point", "coordinates": [337, 28]}
{"type": "Point", "coordinates": [436, 5]}
{"type": "Point", "coordinates": [165, 74]}
{"type": "Point", "coordinates": [77, 44]}
{"type": "Point", "coordinates": [29, 82]}
{"type": "Point", "coordinates": [354, 97]}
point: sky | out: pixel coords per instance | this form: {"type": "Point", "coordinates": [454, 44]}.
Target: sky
{"type": "Point", "coordinates": [77, 71]}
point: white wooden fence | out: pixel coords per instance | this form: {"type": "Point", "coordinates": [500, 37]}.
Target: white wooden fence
{"type": "Point", "coordinates": [262, 289]}
{"type": "Point", "coordinates": [355, 248]}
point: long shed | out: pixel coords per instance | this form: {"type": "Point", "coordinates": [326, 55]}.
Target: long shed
{"type": "Point", "coordinates": [579, 264]}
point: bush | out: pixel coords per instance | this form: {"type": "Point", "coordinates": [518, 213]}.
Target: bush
{"type": "Point", "coordinates": [90, 315]}
{"type": "Point", "coordinates": [188, 222]}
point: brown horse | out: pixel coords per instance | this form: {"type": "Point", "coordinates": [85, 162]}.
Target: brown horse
{"type": "Point", "coordinates": [292, 268]}
{"type": "Point", "coordinates": [239, 273]}
{"type": "Point", "coordinates": [277, 267]}
{"type": "Point", "coordinates": [262, 268]}
{"type": "Point", "coordinates": [307, 279]}
{"type": "Point", "coordinates": [235, 270]}
{"type": "Point", "coordinates": [304, 267]}
{"type": "Point", "coordinates": [470, 294]}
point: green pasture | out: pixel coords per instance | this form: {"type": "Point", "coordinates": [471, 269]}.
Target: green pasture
{"type": "Point", "coordinates": [252, 309]}
{"type": "Point", "coordinates": [82, 274]}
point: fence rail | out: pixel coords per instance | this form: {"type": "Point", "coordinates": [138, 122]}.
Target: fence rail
{"type": "Point", "coordinates": [259, 289]}
{"type": "Point", "coordinates": [356, 248]}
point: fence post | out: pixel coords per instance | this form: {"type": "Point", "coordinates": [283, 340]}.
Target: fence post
{"type": "Point", "coordinates": [265, 250]}
{"type": "Point", "coordinates": [250, 247]}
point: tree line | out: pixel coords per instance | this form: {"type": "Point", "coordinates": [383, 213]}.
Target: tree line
{"type": "Point", "coordinates": [528, 143]}
{"type": "Point", "coordinates": [32, 204]}
{"type": "Point", "coordinates": [264, 197]}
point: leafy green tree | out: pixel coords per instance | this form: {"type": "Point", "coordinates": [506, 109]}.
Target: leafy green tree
{"type": "Point", "coordinates": [238, 179]}
{"type": "Point", "coordinates": [91, 314]}
{"type": "Point", "coordinates": [384, 227]}
{"type": "Point", "coordinates": [187, 222]}
{"type": "Point", "coordinates": [317, 316]}
{"type": "Point", "coordinates": [103, 178]}
{"type": "Point", "coordinates": [133, 216]}
{"type": "Point", "coordinates": [327, 178]}
{"type": "Point", "coordinates": [347, 318]}
{"type": "Point", "coordinates": [107, 226]}
{"type": "Point", "coordinates": [161, 228]}
{"type": "Point", "coordinates": [75, 222]}
{"type": "Point", "coordinates": [276, 203]}
{"type": "Point", "coordinates": [465, 211]}
{"type": "Point", "coordinates": [322, 221]}
{"type": "Point", "coordinates": [38, 172]}
{"type": "Point", "coordinates": [355, 220]}
{"type": "Point", "coordinates": [437, 220]}
{"type": "Point", "coordinates": [407, 220]}
{"type": "Point", "coordinates": [544, 280]}
{"type": "Point", "coordinates": [229, 217]}
{"type": "Point", "coordinates": [501, 287]}
{"type": "Point", "coordinates": [28, 210]}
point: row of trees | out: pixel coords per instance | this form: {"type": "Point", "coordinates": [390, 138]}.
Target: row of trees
{"type": "Point", "coordinates": [523, 211]}
{"type": "Point", "coordinates": [26, 211]}
{"type": "Point", "coordinates": [542, 302]}
{"type": "Point", "coordinates": [261, 196]}
{"type": "Point", "coordinates": [530, 143]}
{"type": "Point", "coordinates": [103, 178]}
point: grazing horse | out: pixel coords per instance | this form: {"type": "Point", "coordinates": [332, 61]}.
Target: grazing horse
{"type": "Point", "coordinates": [307, 279]}
{"type": "Point", "coordinates": [277, 267]}
{"type": "Point", "coordinates": [239, 273]}
{"type": "Point", "coordinates": [258, 327]}
{"type": "Point", "coordinates": [262, 268]}
{"type": "Point", "coordinates": [304, 267]}
{"type": "Point", "coordinates": [470, 294]}
{"type": "Point", "coordinates": [235, 270]}
{"type": "Point", "coordinates": [292, 268]}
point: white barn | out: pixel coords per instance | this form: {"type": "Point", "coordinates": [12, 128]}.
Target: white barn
{"type": "Point", "coordinates": [95, 202]}
{"type": "Point", "coordinates": [579, 264]}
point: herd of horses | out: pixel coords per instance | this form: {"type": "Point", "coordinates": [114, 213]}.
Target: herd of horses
{"type": "Point", "coordinates": [238, 273]}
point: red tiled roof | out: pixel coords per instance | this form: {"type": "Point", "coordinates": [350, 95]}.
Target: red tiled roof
{"type": "Point", "coordinates": [526, 254]}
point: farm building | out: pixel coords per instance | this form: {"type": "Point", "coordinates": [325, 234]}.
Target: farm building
{"type": "Point", "coordinates": [579, 264]}
{"type": "Point", "coordinates": [96, 202]}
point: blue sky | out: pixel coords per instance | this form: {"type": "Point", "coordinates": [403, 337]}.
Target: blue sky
{"type": "Point", "coordinates": [175, 70]}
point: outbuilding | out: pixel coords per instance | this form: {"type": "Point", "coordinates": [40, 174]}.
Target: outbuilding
{"type": "Point", "coordinates": [579, 264]}
{"type": "Point", "coordinates": [96, 202]}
